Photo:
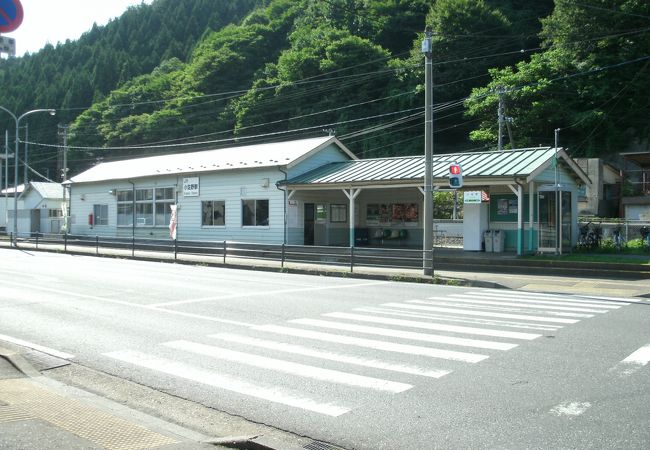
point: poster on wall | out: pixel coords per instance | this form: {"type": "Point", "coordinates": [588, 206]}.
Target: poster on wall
{"type": "Point", "coordinates": [502, 207]}
{"type": "Point", "coordinates": [372, 214]}
{"type": "Point", "coordinates": [405, 213]}
{"type": "Point", "coordinates": [378, 214]}
{"type": "Point", "coordinates": [191, 187]}
{"type": "Point", "coordinates": [385, 214]}
{"type": "Point", "coordinates": [506, 206]}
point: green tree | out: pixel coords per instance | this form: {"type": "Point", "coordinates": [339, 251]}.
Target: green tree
{"type": "Point", "coordinates": [590, 81]}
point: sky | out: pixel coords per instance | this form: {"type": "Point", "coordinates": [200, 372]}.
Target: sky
{"type": "Point", "coordinates": [57, 20]}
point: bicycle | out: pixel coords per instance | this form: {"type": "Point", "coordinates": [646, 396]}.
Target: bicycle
{"type": "Point", "coordinates": [645, 236]}
{"type": "Point", "coordinates": [619, 243]}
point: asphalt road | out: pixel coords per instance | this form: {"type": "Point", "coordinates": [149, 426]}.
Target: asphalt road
{"type": "Point", "coordinates": [361, 364]}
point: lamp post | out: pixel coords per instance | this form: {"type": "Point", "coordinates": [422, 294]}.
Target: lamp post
{"type": "Point", "coordinates": [427, 242]}
{"type": "Point", "coordinates": [16, 148]}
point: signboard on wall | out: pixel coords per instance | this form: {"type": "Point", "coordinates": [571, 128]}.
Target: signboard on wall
{"type": "Point", "coordinates": [472, 197]}
{"type": "Point", "coordinates": [191, 187]}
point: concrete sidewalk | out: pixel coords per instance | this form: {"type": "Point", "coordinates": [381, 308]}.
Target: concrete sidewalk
{"type": "Point", "coordinates": [37, 412]}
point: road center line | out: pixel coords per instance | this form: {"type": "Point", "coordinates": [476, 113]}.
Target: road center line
{"type": "Point", "coordinates": [263, 293]}
{"type": "Point", "coordinates": [134, 305]}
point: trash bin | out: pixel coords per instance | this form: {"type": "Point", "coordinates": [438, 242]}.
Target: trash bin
{"type": "Point", "coordinates": [487, 237]}
{"type": "Point", "coordinates": [498, 240]}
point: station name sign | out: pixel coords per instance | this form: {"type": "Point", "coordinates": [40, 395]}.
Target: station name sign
{"type": "Point", "coordinates": [191, 187]}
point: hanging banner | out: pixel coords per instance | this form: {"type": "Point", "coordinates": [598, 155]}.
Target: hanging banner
{"type": "Point", "coordinates": [173, 221]}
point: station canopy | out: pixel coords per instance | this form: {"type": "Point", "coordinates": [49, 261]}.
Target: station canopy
{"type": "Point", "coordinates": [479, 169]}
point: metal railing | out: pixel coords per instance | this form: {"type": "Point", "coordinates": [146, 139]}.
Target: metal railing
{"type": "Point", "coordinates": [226, 251]}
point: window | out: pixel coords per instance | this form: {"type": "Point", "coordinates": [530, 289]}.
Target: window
{"type": "Point", "coordinates": [213, 213]}
{"type": "Point", "coordinates": [151, 207]}
{"type": "Point", "coordinates": [339, 213]}
{"type": "Point", "coordinates": [53, 213]}
{"type": "Point", "coordinates": [321, 213]}
{"type": "Point", "coordinates": [163, 199]}
{"type": "Point", "coordinates": [100, 215]}
{"type": "Point", "coordinates": [255, 213]}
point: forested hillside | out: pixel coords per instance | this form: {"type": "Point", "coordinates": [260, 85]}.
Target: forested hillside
{"type": "Point", "coordinates": [276, 69]}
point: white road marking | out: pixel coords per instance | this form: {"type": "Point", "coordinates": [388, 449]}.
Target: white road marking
{"type": "Point", "coordinates": [570, 408]}
{"type": "Point", "coordinates": [556, 297]}
{"type": "Point", "coordinates": [641, 356]}
{"type": "Point", "coordinates": [606, 306]}
{"type": "Point", "coordinates": [330, 356]}
{"type": "Point", "coordinates": [626, 300]}
{"type": "Point", "coordinates": [370, 343]}
{"type": "Point", "coordinates": [532, 304]}
{"type": "Point", "coordinates": [265, 293]}
{"type": "Point", "coordinates": [436, 326]}
{"type": "Point", "coordinates": [634, 362]}
{"type": "Point", "coordinates": [484, 314]}
{"type": "Point", "coordinates": [302, 370]}
{"type": "Point", "coordinates": [226, 383]}
{"type": "Point", "coordinates": [134, 305]}
{"type": "Point", "coordinates": [458, 319]}
{"type": "Point", "coordinates": [479, 305]}
{"type": "Point", "coordinates": [40, 348]}
{"type": "Point", "coordinates": [476, 343]}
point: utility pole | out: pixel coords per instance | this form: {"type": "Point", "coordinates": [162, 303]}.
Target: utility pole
{"type": "Point", "coordinates": [558, 210]}
{"type": "Point", "coordinates": [501, 115]}
{"type": "Point", "coordinates": [427, 245]}
{"type": "Point", "coordinates": [25, 171]}
{"type": "Point", "coordinates": [63, 131]}
{"type": "Point", "coordinates": [6, 177]}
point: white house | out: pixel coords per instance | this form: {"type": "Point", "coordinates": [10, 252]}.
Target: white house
{"type": "Point", "coordinates": [7, 204]}
{"type": "Point", "coordinates": [225, 194]}
{"type": "Point", "coordinates": [40, 208]}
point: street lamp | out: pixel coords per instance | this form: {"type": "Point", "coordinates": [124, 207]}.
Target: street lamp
{"type": "Point", "coordinates": [17, 120]}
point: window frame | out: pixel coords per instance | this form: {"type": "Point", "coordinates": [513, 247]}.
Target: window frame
{"type": "Point", "coordinates": [148, 199]}
{"type": "Point", "coordinates": [223, 213]}
{"type": "Point", "coordinates": [338, 207]}
{"type": "Point", "coordinates": [255, 211]}
{"type": "Point", "coordinates": [100, 220]}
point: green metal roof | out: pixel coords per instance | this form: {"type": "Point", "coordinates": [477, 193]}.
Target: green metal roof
{"type": "Point", "coordinates": [506, 164]}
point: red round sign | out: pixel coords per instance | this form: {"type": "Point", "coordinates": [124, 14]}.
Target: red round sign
{"type": "Point", "coordinates": [11, 15]}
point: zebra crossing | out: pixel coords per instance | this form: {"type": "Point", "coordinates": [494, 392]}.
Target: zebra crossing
{"type": "Point", "coordinates": [368, 351]}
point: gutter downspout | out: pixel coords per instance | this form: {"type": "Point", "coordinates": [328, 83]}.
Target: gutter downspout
{"type": "Point", "coordinates": [284, 237]}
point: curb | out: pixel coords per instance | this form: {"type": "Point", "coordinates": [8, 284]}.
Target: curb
{"type": "Point", "coordinates": [19, 363]}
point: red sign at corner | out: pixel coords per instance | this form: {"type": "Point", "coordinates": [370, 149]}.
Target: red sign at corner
{"type": "Point", "coordinates": [11, 15]}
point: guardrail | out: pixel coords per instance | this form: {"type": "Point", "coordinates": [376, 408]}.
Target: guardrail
{"type": "Point", "coordinates": [225, 251]}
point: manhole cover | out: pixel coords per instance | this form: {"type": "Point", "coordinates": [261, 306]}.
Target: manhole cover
{"type": "Point", "coordinates": [316, 445]}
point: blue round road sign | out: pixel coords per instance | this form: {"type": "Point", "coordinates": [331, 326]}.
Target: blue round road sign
{"type": "Point", "coordinates": [11, 15]}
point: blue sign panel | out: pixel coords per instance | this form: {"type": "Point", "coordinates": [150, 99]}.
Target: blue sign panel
{"type": "Point", "coordinates": [11, 15]}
